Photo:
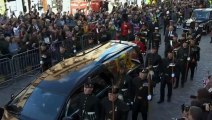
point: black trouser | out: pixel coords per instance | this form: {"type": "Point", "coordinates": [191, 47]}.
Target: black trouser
{"type": "Point", "coordinates": [192, 67]}
{"type": "Point", "coordinates": [167, 80]}
{"type": "Point", "coordinates": [167, 49]}
{"type": "Point", "coordinates": [140, 106]}
{"type": "Point", "coordinates": [182, 72]}
{"type": "Point", "coordinates": [164, 29]}
{"type": "Point", "coordinates": [177, 77]}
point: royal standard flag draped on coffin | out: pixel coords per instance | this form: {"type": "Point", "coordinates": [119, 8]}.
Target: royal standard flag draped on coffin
{"type": "Point", "coordinates": [2, 7]}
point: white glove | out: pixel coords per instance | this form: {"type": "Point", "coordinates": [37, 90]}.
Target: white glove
{"type": "Point", "coordinates": [188, 58]}
{"type": "Point", "coordinates": [75, 51]}
{"type": "Point", "coordinates": [41, 62]}
{"type": "Point", "coordinates": [149, 97]}
{"type": "Point", "coordinates": [120, 97]}
{"type": "Point", "coordinates": [44, 56]}
{"type": "Point", "coordinates": [210, 90]}
{"type": "Point", "coordinates": [173, 74]}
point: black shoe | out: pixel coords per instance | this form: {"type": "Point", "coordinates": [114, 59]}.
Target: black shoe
{"type": "Point", "coordinates": [182, 86]}
{"type": "Point", "coordinates": [169, 100]}
{"type": "Point", "coordinates": [191, 79]}
{"type": "Point", "coordinates": [160, 101]}
{"type": "Point", "coordinates": [175, 87]}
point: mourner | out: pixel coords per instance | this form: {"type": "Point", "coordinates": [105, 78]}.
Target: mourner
{"type": "Point", "coordinates": [182, 57]}
{"type": "Point", "coordinates": [168, 38]}
{"type": "Point", "coordinates": [197, 33]}
{"type": "Point", "coordinates": [194, 57]}
{"type": "Point", "coordinates": [64, 53]}
{"type": "Point", "coordinates": [45, 57]}
{"type": "Point", "coordinates": [156, 37]}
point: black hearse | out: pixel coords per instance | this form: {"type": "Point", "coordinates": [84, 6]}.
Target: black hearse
{"type": "Point", "coordinates": [52, 96]}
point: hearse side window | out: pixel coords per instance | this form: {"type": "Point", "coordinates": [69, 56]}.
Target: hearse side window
{"type": "Point", "coordinates": [210, 15]}
{"type": "Point", "coordinates": [71, 106]}
{"type": "Point", "coordinates": [99, 84]}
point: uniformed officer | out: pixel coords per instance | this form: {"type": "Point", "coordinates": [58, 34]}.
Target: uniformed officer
{"type": "Point", "coordinates": [167, 76]}
{"type": "Point", "coordinates": [113, 108]}
{"type": "Point", "coordinates": [45, 57]}
{"type": "Point", "coordinates": [88, 103]}
{"type": "Point", "coordinates": [156, 38]}
{"type": "Point", "coordinates": [64, 53]}
{"type": "Point", "coordinates": [140, 92]}
{"type": "Point", "coordinates": [145, 33]}
{"type": "Point", "coordinates": [183, 58]}
{"type": "Point", "coordinates": [194, 57]}
{"type": "Point", "coordinates": [153, 61]}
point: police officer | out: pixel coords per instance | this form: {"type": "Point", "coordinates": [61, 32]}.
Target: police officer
{"type": "Point", "coordinates": [167, 73]}
{"type": "Point", "coordinates": [182, 58]}
{"type": "Point", "coordinates": [88, 103]}
{"type": "Point", "coordinates": [113, 108]}
{"type": "Point", "coordinates": [156, 38]}
{"type": "Point", "coordinates": [64, 53]}
{"type": "Point", "coordinates": [194, 57]}
{"type": "Point", "coordinates": [45, 57]}
{"type": "Point", "coordinates": [140, 92]}
{"type": "Point", "coordinates": [153, 61]}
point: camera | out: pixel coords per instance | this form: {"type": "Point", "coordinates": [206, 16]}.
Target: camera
{"type": "Point", "coordinates": [207, 107]}
{"type": "Point", "coordinates": [185, 108]}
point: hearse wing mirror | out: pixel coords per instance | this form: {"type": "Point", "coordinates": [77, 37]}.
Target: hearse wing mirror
{"type": "Point", "coordinates": [1, 112]}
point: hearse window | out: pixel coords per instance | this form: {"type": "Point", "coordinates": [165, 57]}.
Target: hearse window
{"type": "Point", "coordinates": [210, 14]}
{"type": "Point", "coordinates": [71, 106]}
{"type": "Point", "coordinates": [99, 84]}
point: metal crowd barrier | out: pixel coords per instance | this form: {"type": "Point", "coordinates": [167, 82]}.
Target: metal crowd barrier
{"type": "Point", "coordinates": [29, 61]}
{"type": "Point", "coordinates": [5, 71]}
{"type": "Point", "coordinates": [25, 62]}
{"type": "Point", "coordinates": [19, 65]}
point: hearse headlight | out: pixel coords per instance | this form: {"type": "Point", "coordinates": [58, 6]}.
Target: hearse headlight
{"type": "Point", "coordinates": [201, 25]}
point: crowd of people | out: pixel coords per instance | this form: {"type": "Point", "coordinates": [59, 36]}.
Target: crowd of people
{"type": "Point", "coordinates": [60, 35]}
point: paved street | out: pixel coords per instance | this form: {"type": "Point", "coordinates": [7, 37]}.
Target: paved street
{"type": "Point", "coordinates": [165, 111]}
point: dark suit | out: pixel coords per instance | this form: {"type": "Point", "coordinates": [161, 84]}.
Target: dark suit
{"type": "Point", "coordinates": [197, 35]}
{"type": "Point", "coordinates": [168, 36]}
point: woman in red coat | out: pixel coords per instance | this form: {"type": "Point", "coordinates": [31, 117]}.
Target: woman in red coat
{"type": "Point", "coordinates": [125, 26]}
{"type": "Point", "coordinates": [140, 44]}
